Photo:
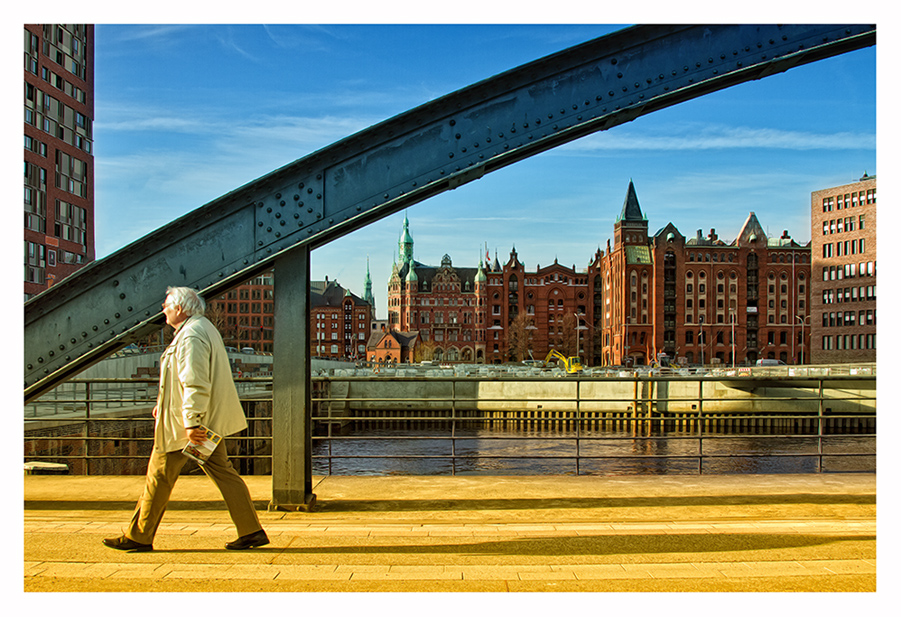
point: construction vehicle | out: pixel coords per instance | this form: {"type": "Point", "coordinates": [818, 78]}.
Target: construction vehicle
{"type": "Point", "coordinates": [666, 365]}
{"type": "Point", "coordinates": [664, 361]}
{"type": "Point", "coordinates": [573, 364]}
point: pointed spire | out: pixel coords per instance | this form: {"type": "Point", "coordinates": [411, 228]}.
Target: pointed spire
{"type": "Point", "coordinates": [367, 286]}
{"type": "Point", "coordinates": [405, 245]}
{"type": "Point", "coordinates": [631, 209]}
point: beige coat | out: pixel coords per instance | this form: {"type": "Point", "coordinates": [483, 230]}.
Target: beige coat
{"type": "Point", "coordinates": [196, 386]}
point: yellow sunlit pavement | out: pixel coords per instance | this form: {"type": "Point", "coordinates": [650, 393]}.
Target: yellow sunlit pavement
{"type": "Point", "coordinates": [552, 533]}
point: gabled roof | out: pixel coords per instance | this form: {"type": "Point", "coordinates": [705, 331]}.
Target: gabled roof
{"type": "Point", "coordinates": [556, 266]}
{"type": "Point", "coordinates": [403, 339]}
{"type": "Point", "coordinates": [331, 294]}
{"type": "Point", "coordinates": [751, 231]}
{"type": "Point", "coordinates": [668, 229]}
{"type": "Point", "coordinates": [425, 275]}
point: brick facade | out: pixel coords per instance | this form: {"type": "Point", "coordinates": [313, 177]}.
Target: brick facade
{"type": "Point", "coordinates": [843, 238]}
{"type": "Point", "coordinates": [698, 300]}
{"type": "Point", "coordinates": [340, 322]}
{"type": "Point", "coordinates": [59, 160]}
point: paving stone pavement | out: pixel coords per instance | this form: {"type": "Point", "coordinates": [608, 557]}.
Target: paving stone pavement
{"type": "Point", "coordinates": [504, 534]}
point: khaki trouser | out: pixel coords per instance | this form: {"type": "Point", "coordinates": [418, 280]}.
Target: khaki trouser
{"type": "Point", "coordinates": [162, 473]}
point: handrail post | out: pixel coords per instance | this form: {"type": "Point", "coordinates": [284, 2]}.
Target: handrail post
{"type": "Point", "coordinates": [700, 426]}
{"type": "Point", "coordinates": [578, 422]}
{"type": "Point", "coordinates": [453, 426]}
{"type": "Point", "coordinates": [87, 427]}
{"type": "Point", "coordinates": [634, 403]}
{"type": "Point", "coordinates": [820, 419]}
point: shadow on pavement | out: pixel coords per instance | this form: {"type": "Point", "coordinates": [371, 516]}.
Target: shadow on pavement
{"type": "Point", "coordinates": [643, 544]}
{"type": "Point", "coordinates": [427, 505]}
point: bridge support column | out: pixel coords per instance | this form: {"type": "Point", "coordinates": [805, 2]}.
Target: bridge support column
{"type": "Point", "coordinates": [292, 465]}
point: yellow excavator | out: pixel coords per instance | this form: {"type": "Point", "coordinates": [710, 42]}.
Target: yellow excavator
{"type": "Point", "coordinates": [573, 364]}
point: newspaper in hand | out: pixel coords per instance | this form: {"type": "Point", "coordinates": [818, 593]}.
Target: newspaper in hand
{"type": "Point", "coordinates": [201, 452]}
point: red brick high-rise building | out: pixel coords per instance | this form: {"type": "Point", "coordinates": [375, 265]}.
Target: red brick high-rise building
{"type": "Point", "coordinates": [245, 315]}
{"type": "Point", "coordinates": [59, 160]}
{"type": "Point", "coordinates": [843, 234]}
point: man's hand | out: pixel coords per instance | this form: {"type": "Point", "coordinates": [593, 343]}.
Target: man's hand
{"type": "Point", "coordinates": [196, 435]}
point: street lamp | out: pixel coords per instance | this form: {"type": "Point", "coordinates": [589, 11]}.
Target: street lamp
{"type": "Point", "coordinates": [701, 336]}
{"type": "Point", "coordinates": [579, 326]}
{"type": "Point", "coordinates": [802, 320]}
{"type": "Point", "coordinates": [732, 319]}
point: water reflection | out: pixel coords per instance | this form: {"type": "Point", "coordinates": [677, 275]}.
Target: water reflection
{"type": "Point", "coordinates": [554, 452]}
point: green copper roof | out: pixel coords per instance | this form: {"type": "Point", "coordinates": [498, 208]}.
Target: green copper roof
{"type": "Point", "coordinates": [638, 255]}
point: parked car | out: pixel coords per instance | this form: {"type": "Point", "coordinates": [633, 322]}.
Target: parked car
{"type": "Point", "coordinates": [247, 350]}
{"type": "Point", "coordinates": [770, 362]}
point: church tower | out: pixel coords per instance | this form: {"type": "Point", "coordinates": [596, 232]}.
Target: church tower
{"type": "Point", "coordinates": [631, 226]}
{"type": "Point", "coordinates": [629, 329]}
{"type": "Point", "coordinates": [367, 290]}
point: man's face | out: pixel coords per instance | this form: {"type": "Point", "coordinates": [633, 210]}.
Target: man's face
{"type": "Point", "coordinates": [174, 314]}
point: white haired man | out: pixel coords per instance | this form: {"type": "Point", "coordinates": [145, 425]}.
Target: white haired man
{"type": "Point", "coordinates": [196, 388]}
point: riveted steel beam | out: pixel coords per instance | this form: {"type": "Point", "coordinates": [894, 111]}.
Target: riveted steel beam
{"type": "Point", "coordinates": [427, 150]}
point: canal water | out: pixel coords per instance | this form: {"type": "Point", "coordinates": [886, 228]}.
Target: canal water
{"type": "Point", "coordinates": [488, 451]}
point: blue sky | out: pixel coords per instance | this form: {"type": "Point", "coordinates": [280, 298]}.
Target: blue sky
{"type": "Point", "coordinates": [186, 113]}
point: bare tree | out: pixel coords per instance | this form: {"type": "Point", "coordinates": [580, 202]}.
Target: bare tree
{"type": "Point", "coordinates": [569, 340]}
{"type": "Point", "coordinates": [215, 312]}
{"type": "Point", "coordinates": [519, 337]}
{"type": "Point", "coordinates": [424, 351]}
{"type": "Point", "coordinates": [157, 338]}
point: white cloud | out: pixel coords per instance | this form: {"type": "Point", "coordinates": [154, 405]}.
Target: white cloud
{"type": "Point", "coordinates": [713, 137]}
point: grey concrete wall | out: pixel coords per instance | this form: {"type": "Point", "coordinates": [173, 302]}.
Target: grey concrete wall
{"type": "Point", "coordinates": [668, 396]}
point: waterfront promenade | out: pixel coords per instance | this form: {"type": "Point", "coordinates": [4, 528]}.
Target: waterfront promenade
{"type": "Point", "coordinates": [472, 534]}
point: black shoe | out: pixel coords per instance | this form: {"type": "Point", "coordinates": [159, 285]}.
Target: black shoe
{"type": "Point", "coordinates": [124, 544]}
{"type": "Point", "coordinates": [252, 540]}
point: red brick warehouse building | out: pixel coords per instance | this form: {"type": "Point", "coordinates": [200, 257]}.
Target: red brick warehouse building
{"type": "Point", "coordinates": [466, 314]}
{"type": "Point", "coordinates": [697, 299]}
{"type": "Point", "coordinates": [700, 299]}
{"type": "Point", "coordinates": [59, 160]}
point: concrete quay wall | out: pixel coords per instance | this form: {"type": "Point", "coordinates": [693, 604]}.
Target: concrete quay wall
{"type": "Point", "coordinates": [644, 396]}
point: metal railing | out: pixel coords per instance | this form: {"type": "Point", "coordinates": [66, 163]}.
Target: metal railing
{"type": "Point", "coordinates": [104, 426]}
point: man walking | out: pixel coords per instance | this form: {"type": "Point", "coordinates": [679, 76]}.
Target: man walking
{"type": "Point", "coordinates": [196, 390]}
